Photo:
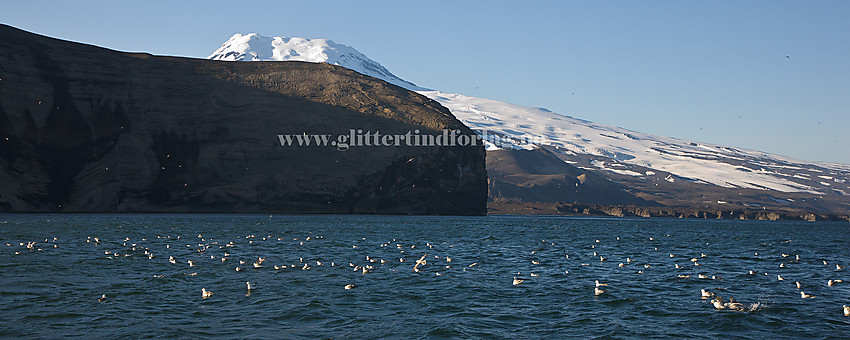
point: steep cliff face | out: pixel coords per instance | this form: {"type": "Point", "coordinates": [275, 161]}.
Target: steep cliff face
{"type": "Point", "coordinates": [89, 129]}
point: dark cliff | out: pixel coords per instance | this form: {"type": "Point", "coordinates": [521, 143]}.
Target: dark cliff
{"type": "Point", "coordinates": [87, 129]}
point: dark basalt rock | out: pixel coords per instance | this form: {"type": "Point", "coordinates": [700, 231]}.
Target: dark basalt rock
{"type": "Point", "coordinates": [96, 130]}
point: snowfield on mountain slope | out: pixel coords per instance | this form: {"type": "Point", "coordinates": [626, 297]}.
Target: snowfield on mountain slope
{"type": "Point", "coordinates": [698, 161]}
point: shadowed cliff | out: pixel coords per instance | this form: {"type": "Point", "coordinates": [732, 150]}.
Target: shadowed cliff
{"type": "Point", "coordinates": [86, 129]}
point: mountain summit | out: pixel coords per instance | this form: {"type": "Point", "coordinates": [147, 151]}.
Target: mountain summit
{"type": "Point", "coordinates": [255, 47]}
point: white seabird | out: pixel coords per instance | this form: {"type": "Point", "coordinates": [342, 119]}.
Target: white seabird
{"type": "Point", "coordinates": [420, 262]}
{"type": "Point", "coordinates": [736, 306]}
{"type": "Point", "coordinates": [718, 304]}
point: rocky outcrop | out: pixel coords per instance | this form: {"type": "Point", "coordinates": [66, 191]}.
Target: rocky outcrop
{"type": "Point", "coordinates": [540, 176]}
{"type": "Point", "coordinates": [86, 129]}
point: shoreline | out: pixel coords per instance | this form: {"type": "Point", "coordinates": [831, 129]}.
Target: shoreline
{"type": "Point", "coordinates": [580, 209]}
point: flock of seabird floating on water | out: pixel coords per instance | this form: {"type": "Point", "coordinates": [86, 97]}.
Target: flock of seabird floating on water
{"type": "Point", "coordinates": [204, 245]}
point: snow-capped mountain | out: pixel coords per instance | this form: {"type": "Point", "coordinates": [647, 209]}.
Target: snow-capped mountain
{"type": "Point", "coordinates": [619, 154]}
{"type": "Point", "coordinates": [255, 47]}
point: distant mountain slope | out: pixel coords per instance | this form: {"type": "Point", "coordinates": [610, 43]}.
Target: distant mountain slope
{"type": "Point", "coordinates": [633, 153]}
{"type": "Point", "coordinates": [665, 170]}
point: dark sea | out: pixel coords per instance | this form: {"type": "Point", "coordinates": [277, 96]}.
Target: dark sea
{"type": "Point", "coordinates": [55, 268]}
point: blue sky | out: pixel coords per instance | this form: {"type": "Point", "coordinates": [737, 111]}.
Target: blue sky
{"type": "Point", "coordinates": [765, 75]}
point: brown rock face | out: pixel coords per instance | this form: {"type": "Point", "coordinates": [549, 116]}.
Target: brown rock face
{"type": "Point", "coordinates": [86, 129]}
{"type": "Point", "coordinates": [540, 176]}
